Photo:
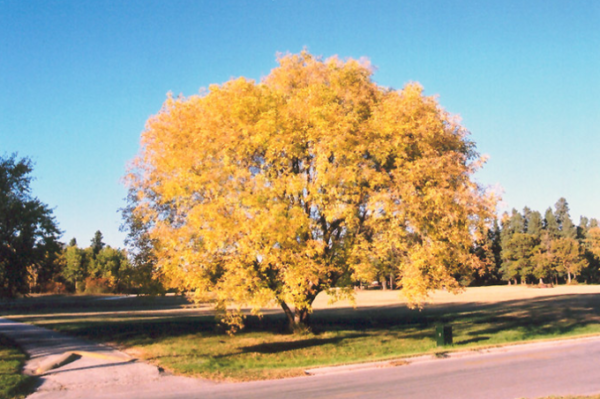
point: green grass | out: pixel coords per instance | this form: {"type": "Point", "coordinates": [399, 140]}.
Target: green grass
{"type": "Point", "coordinates": [12, 383]}
{"type": "Point", "coordinates": [187, 341]}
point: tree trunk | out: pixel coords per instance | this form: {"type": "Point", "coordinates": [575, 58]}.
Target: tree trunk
{"type": "Point", "coordinates": [541, 281]}
{"type": "Point", "coordinates": [298, 320]}
{"type": "Point", "coordinates": [384, 284]}
{"type": "Point", "coordinates": [391, 281]}
{"type": "Point", "coordinates": [569, 276]}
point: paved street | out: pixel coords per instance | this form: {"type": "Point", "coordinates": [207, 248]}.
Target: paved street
{"type": "Point", "coordinates": [565, 367]}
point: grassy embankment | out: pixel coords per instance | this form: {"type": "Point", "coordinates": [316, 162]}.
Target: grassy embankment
{"type": "Point", "coordinates": [13, 384]}
{"type": "Point", "coordinates": [183, 339]}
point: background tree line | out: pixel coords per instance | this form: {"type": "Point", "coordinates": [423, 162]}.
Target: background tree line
{"type": "Point", "coordinates": [96, 269]}
{"type": "Point", "coordinates": [526, 247]}
{"type": "Point", "coordinates": [33, 260]}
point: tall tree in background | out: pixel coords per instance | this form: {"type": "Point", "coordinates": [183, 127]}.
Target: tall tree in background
{"type": "Point", "coordinates": [279, 190]}
{"type": "Point", "coordinates": [28, 231]}
{"type": "Point", "coordinates": [512, 238]}
{"type": "Point", "coordinates": [96, 243]}
{"type": "Point", "coordinates": [563, 219]}
{"type": "Point", "coordinates": [489, 250]}
{"type": "Point", "coordinates": [535, 224]}
{"type": "Point", "coordinates": [550, 224]}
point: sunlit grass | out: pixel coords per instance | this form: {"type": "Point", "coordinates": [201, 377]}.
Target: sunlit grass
{"type": "Point", "coordinates": [12, 383]}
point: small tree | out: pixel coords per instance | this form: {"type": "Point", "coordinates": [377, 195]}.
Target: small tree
{"type": "Point", "coordinates": [75, 270]}
{"type": "Point", "coordinates": [567, 257]}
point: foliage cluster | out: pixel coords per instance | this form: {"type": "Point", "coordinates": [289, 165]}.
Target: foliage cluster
{"type": "Point", "coordinates": [314, 178]}
{"type": "Point", "coordinates": [99, 269]}
{"type": "Point", "coordinates": [527, 247]}
{"type": "Point", "coordinates": [29, 234]}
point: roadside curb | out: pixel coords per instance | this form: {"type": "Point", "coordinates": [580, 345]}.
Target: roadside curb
{"type": "Point", "coordinates": [68, 357]}
{"type": "Point", "coordinates": [445, 355]}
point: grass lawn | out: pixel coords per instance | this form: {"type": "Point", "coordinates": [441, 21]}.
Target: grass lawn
{"type": "Point", "coordinates": [184, 339]}
{"type": "Point", "coordinates": [12, 383]}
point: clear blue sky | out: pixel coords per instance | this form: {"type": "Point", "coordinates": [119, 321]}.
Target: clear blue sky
{"type": "Point", "coordinates": [78, 80]}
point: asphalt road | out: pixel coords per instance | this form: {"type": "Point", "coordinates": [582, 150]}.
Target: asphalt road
{"type": "Point", "coordinates": [532, 371]}
{"type": "Point", "coordinates": [550, 369]}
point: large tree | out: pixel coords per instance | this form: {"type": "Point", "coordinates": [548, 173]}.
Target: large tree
{"type": "Point", "coordinates": [28, 231]}
{"type": "Point", "coordinates": [278, 190]}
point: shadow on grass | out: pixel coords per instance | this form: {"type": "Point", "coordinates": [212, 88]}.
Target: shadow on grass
{"type": "Point", "coordinates": [472, 340]}
{"type": "Point", "coordinates": [472, 322]}
{"type": "Point", "coordinates": [50, 304]}
{"type": "Point", "coordinates": [279, 347]}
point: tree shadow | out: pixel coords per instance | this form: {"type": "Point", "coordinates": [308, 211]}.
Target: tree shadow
{"type": "Point", "coordinates": [141, 323]}
{"type": "Point", "coordinates": [472, 340]}
{"type": "Point", "coordinates": [280, 347]}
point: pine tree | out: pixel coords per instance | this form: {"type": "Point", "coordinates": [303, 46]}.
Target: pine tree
{"type": "Point", "coordinates": [550, 224]}
{"type": "Point", "coordinates": [96, 243]}
{"type": "Point", "coordinates": [563, 219]}
{"type": "Point", "coordinates": [535, 225]}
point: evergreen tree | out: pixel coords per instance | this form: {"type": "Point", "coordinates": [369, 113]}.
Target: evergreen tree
{"type": "Point", "coordinates": [526, 217]}
{"type": "Point", "coordinates": [97, 243]}
{"type": "Point", "coordinates": [563, 219]}
{"type": "Point", "coordinates": [583, 228]}
{"type": "Point", "coordinates": [517, 257]}
{"type": "Point", "coordinates": [544, 267]}
{"type": "Point", "coordinates": [489, 251]}
{"type": "Point", "coordinates": [550, 224]}
{"type": "Point", "coordinates": [535, 225]}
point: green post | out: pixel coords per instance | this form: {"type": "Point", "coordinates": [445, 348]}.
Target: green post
{"type": "Point", "coordinates": [443, 335]}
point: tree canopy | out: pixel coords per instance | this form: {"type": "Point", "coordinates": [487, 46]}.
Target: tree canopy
{"type": "Point", "coordinates": [306, 181]}
{"type": "Point", "coordinates": [28, 231]}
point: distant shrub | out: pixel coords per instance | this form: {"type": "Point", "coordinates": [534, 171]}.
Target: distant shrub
{"type": "Point", "coordinates": [55, 287]}
{"type": "Point", "coordinates": [541, 285]}
{"type": "Point", "coordinates": [98, 286]}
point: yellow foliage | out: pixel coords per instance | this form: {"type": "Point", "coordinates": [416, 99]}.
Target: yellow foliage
{"type": "Point", "coordinates": [275, 191]}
